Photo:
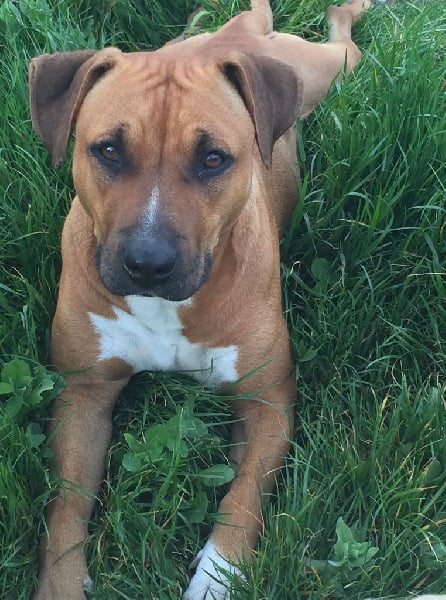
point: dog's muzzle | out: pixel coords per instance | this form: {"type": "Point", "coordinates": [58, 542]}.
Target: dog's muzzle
{"type": "Point", "coordinates": [156, 265]}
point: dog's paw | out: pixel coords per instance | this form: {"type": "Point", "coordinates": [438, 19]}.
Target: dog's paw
{"type": "Point", "coordinates": [87, 584]}
{"type": "Point", "coordinates": [210, 581]}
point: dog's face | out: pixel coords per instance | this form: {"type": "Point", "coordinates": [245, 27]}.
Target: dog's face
{"type": "Point", "coordinates": [163, 165]}
{"type": "Point", "coordinates": [164, 152]}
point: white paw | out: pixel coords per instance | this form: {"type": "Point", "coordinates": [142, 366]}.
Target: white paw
{"type": "Point", "coordinates": [87, 584]}
{"type": "Point", "coordinates": [210, 581]}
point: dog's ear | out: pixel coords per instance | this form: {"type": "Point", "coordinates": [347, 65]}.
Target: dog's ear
{"type": "Point", "coordinates": [272, 94]}
{"type": "Point", "coordinates": [58, 85]}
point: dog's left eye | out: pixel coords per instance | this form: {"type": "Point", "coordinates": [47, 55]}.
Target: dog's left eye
{"type": "Point", "coordinates": [213, 160]}
{"type": "Point", "coordinates": [214, 163]}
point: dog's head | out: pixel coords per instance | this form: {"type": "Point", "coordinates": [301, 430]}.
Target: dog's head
{"type": "Point", "coordinates": [164, 153]}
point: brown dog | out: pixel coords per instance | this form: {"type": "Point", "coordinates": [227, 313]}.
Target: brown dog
{"type": "Point", "coordinates": [185, 172]}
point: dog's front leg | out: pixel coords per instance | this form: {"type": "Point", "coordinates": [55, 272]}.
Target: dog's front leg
{"type": "Point", "coordinates": [261, 439]}
{"type": "Point", "coordinates": [81, 426]}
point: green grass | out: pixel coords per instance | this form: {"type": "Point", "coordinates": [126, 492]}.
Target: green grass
{"type": "Point", "coordinates": [364, 281]}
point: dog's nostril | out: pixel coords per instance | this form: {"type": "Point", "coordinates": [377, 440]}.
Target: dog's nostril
{"type": "Point", "coordinates": [148, 264]}
{"type": "Point", "coordinates": [166, 268]}
{"type": "Point", "coordinates": [147, 269]}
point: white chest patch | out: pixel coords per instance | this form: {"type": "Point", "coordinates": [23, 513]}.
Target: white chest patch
{"type": "Point", "coordinates": [150, 338]}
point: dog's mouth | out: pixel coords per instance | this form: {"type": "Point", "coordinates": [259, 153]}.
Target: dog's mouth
{"type": "Point", "coordinates": [175, 281]}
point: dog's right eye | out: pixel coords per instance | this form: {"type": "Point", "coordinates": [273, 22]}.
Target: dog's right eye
{"type": "Point", "coordinates": [109, 152]}
{"type": "Point", "coordinates": [108, 155]}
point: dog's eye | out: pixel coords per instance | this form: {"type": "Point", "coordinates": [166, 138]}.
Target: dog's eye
{"type": "Point", "coordinates": [109, 152]}
{"type": "Point", "coordinates": [109, 156]}
{"type": "Point", "coordinates": [213, 163]}
{"type": "Point", "coordinates": [213, 160]}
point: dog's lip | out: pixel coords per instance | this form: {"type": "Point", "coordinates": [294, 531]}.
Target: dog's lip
{"type": "Point", "coordinates": [167, 294]}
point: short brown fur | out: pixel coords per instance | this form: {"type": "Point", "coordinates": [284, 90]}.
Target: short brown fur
{"type": "Point", "coordinates": [253, 83]}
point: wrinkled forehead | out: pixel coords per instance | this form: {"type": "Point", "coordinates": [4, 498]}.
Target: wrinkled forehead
{"type": "Point", "coordinates": [147, 95]}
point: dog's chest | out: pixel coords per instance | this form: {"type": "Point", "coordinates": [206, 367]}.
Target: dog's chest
{"type": "Point", "coordinates": [150, 337]}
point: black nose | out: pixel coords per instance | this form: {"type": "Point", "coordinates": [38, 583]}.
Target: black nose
{"type": "Point", "coordinates": [149, 262]}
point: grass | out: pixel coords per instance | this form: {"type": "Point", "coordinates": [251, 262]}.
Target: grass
{"type": "Point", "coordinates": [364, 295]}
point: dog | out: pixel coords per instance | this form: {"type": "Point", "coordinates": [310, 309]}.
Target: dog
{"type": "Point", "coordinates": [185, 172]}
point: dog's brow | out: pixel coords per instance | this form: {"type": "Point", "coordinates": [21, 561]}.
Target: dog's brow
{"type": "Point", "coordinates": [114, 134]}
{"type": "Point", "coordinates": [208, 141]}
{"type": "Point", "coordinates": [203, 140]}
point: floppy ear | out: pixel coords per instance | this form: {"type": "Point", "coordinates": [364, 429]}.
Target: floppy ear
{"type": "Point", "coordinates": [272, 94]}
{"type": "Point", "coordinates": [58, 85]}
